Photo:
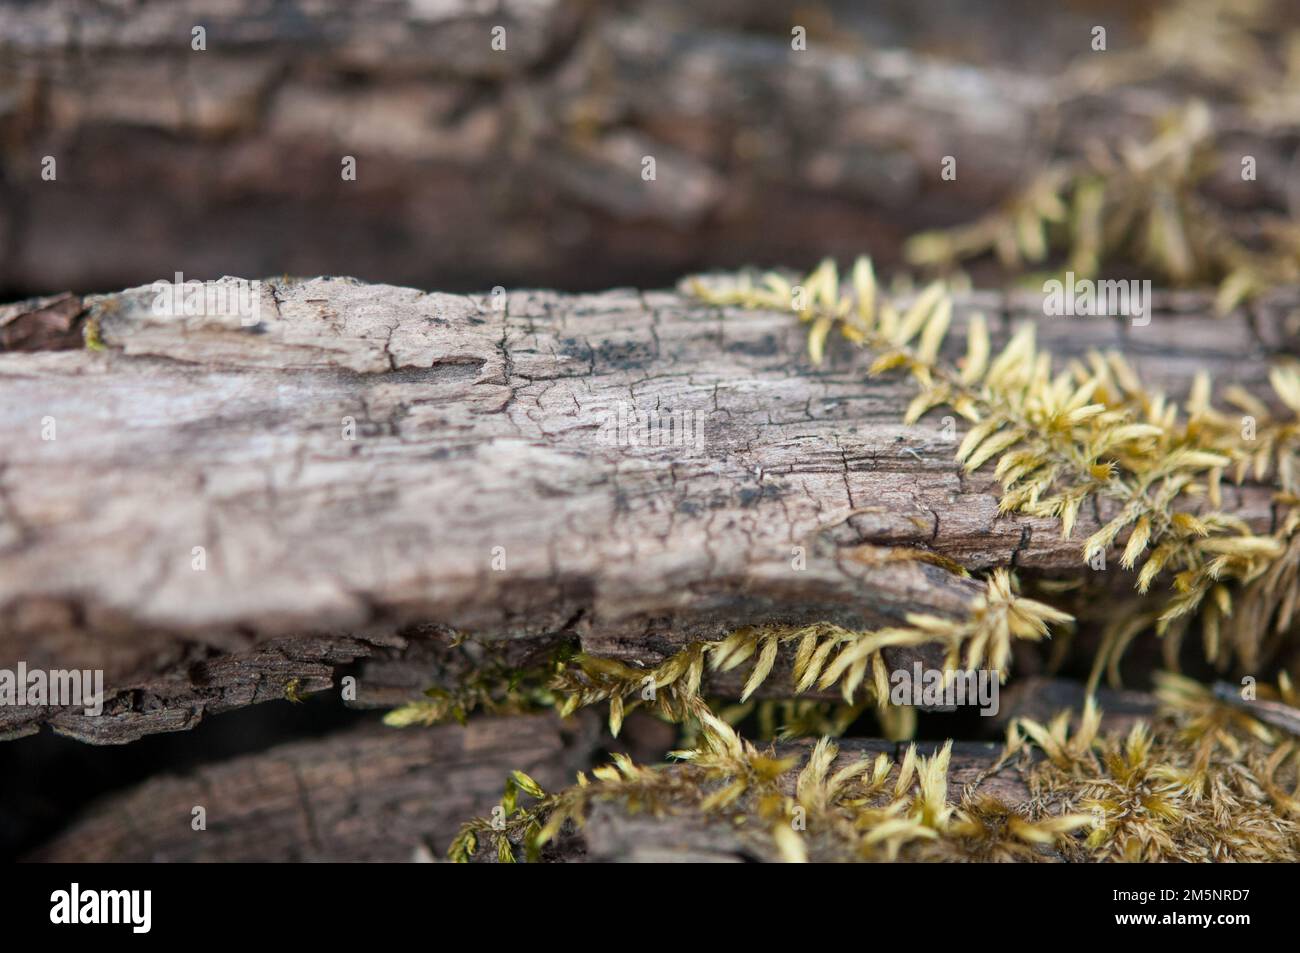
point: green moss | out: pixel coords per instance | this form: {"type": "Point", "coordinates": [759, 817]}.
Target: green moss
{"type": "Point", "coordinates": [90, 334]}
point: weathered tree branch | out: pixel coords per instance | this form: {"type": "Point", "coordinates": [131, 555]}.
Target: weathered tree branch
{"type": "Point", "coordinates": [480, 427]}
{"type": "Point", "coordinates": [370, 793]}
{"type": "Point", "coordinates": [171, 158]}
{"type": "Point", "coordinates": [365, 794]}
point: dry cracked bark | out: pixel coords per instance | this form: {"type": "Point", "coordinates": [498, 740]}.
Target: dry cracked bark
{"type": "Point", "coordinates": [479, 426]}
{"type": "Point", "coordinates": [481, 167]}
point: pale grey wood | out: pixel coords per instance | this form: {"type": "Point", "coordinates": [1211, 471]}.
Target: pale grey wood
{"type": "Point", "coordinates": [477, 427]}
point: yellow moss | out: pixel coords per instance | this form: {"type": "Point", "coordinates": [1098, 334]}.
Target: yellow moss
{"type": "Point", "coordinates": [826, 656]}
{"type": "Point", "coordinates": [1143, 201]}
{"type": "Point", "coordinates": [1087, 432]}
{"type": "Point", "coordinates": [1204, 782]}
{"type": "Point", "coordinates": [90, 333]}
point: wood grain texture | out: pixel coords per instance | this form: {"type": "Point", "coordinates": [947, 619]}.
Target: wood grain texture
{"type": "Point", "coordinates": [364, 794]}
{"type": "Point", "coordinates": [479, 427]}
{"type": "Point", "coordinates": [387, 795]}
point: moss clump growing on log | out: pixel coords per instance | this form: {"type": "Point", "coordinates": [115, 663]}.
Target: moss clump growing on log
{"type": "Point", "coordinates": [1060, 438]}
{"type": "Point", "coordinates": [492, 687]}
{"type": "Point", "coordinates": [1205, 782]}
{"type": "Point", "coordinates": [1140, 205]}
{"type": "Point", "coordinates": [1057, 439]}
{"type": "Point", "coordinates": [826, 656]}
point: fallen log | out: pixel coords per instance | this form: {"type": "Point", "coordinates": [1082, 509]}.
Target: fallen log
{"type": "Point", "coordinates": [375, 794]}
{"type": "Point", "coordinates": [478, 165]}
{"type": "Point", "coordinates": [367, 793]}
{"type": "Point", "coordinates": [363, 794]}
{"type": "Point", "coordinates": [209, 509]}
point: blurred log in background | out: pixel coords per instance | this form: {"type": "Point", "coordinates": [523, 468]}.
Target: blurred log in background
{"type": "Point", "coordinates": [523, 167]}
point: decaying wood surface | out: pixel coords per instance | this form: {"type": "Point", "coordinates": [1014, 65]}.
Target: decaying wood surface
{"type": "Point", "coordinates": [478, 434]}
{"type": "Point", "coordinates": [372, 793]}
{"type": "Point", "coordinates": [524, 165]}
{"type": "Point", "coordinates": [368, 793]}
{"type": "Point", "coordinates": [382, 794]}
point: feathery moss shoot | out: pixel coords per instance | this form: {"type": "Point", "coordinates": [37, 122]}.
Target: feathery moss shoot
{"type": "Point", "coordinates": [1205, 782]}
{"type": "Point", "coordinates": [1086, 433]}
